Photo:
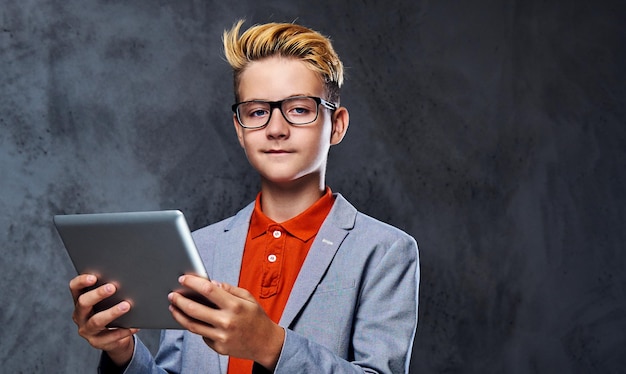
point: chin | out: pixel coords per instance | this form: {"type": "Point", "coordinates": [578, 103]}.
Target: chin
{"type": "Point", "coordinates": [280, 175]}
{"type": "Point", "coordinates": [275, 179]}
{"type": "Point", "coordinates": [292, 179]}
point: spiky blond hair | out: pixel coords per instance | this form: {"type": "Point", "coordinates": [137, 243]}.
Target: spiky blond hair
{"type": "Point", "coordinates": [284, 40]}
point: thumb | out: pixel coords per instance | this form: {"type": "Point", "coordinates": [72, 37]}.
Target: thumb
{"type": "Point", "coordinates": [235, 291]}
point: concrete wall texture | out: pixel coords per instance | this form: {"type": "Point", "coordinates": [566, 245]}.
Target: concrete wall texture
{"type": "Point", "coordinates": [492, 131]}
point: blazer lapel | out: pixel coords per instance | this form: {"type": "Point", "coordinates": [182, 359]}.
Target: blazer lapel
{"type": "Point", "coordinates": [228, 255]}
{"type": "Point", "coordinates": [229, 246]}
{"type": "Point", "coordinates": [332, 233]}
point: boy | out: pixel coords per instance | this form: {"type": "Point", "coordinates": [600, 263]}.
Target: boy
{"type": "Point", "coordinates": [321, 288]}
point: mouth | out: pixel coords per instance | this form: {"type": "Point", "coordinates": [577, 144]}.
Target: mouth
{"type": "Point", "coordinates": [276, 151]}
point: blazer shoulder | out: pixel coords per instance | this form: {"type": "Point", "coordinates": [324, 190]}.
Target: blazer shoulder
{"type": "Point", "coordinates": [366, 222]}
{"type": "Point", "coordinates": [368, 228]}
{"type": "Point", "coordinates": [241, 218]}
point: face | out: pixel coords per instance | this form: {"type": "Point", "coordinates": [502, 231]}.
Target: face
{"type": "Point", "coordinates": [280, 152]}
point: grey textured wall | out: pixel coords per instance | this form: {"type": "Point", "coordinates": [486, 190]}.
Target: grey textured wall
{"type": "Point", "coordinates": [494, 132]}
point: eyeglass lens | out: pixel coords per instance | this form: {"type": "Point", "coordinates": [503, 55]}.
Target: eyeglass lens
{"type": "Point", "coordinates": [296, 110]}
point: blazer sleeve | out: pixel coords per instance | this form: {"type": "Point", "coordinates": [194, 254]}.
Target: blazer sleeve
{"type": "Point", "coordinates": [179, 352]}
{"type": "Point", "coordinates": [141, 362]}
{"type": "Point", "coordinates": [384, 323]}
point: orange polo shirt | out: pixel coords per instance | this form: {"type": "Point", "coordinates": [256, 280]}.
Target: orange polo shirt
{"type": "Point", "coordinates": [273, 256]}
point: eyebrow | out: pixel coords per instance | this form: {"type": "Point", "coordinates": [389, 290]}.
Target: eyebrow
{"type": "Point", "coordinates": [286, 97]}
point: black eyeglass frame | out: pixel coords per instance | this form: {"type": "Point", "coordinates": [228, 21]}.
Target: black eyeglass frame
{"type": "Point", "coordinates": [279, 104]}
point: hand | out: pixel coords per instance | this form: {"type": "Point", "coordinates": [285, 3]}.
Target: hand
{"type": "Point", "coordinates": [117, 343]}
{"type": "Point", "coordinates": [237, 327]}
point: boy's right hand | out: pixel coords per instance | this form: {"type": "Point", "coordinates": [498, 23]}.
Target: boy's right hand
{"type": "Point", "coordinates": [117, 343]}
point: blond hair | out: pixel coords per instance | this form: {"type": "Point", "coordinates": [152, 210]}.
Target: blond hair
{"type": "Point", "coordinates": [284, 40]}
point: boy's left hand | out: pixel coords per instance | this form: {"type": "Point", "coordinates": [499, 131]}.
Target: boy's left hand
{"type": "Point", "coordinates": [237, 327]}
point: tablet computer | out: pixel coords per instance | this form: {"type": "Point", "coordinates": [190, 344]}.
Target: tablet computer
{"type": "Point", "coordinates": [142, 253]}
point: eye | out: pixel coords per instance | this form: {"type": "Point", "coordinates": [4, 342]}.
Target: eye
{"type": "Point", "coordinates": [258, 113]}
{"type": "Point", "coordinates": [254, 110]}
{"type": "Point", "coordinates": [299, 110]}
{"type": "Point", "coordinates": [300, 107]}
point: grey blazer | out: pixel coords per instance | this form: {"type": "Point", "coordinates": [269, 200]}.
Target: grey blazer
{"type": "Point", "coordinates": [353, 307]}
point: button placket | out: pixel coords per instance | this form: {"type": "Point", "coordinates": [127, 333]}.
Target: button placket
{"type": "Point", "coordinates": [273, 260]}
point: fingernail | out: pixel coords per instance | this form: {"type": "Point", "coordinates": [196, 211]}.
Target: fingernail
{"type": "Point", "coordinates": [108, 288]}
{"type": "Point", "coordinates": [181, 279]}
{"type": "Point", "coordinates": [123, 307]}
{"type": "Point", "coordinates": [218, 284]}
{"type": "Point", "coordinates": [91, 278]}
{"type": "Point", "coordinates": [170, 296]}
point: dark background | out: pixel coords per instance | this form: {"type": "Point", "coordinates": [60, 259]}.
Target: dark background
{"type": "Point", "coordinates": [494, 132]}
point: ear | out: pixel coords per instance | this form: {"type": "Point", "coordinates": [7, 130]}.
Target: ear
{"type": "Point", "coordinates": [238, 130]}
{"type": "Point", "coordinates": [341, 119]}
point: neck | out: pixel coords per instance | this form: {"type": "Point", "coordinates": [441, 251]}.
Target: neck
{"type": "Point", "coordinates": [282, 202]}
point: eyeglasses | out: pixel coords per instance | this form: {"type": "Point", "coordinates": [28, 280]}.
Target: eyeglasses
{"type": "Point", "coordinates": [297, 110]}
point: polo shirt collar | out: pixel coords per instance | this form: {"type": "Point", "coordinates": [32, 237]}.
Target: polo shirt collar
{"type": "Point", "coordinates": [303, 226]}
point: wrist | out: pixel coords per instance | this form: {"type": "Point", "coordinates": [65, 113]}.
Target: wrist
{"type": "Point", "coordinates": [270, 356]}
{"type": "Point", "coordinates": [122, 355]}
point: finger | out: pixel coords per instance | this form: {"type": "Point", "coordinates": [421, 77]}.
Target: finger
{"type": "Point", "coordinates": [110, 339]}
{"type": "Point", "coordinates": [193, 310]}
{"type": "Point", "coordinates": [191, 324]}
{"type": "Point", "coordinates": [200, 285]}
{"type": "Point", "coordinates": [99, 321]}
{"type": "Point", "coordinates": [241, 293]}
{"type": "Point", "coordinates": [80, 282]}
{"type": "Point", "coordinates": [98, 335]}
{"type": "Point", "coordinates": [92, 297]}
{"type": "Point", "coordinates": [212, 290]}
{"type": "Point", "coordinates": [86, 301]}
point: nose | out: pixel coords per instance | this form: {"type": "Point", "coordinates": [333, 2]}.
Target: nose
{"type": "Point", "coordinates": [277, 127]}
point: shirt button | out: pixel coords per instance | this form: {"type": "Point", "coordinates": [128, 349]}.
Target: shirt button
{"type": "Point", "coordinates": [271, 258]}
{"type": "Point", "coordinates": [277, 234]}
